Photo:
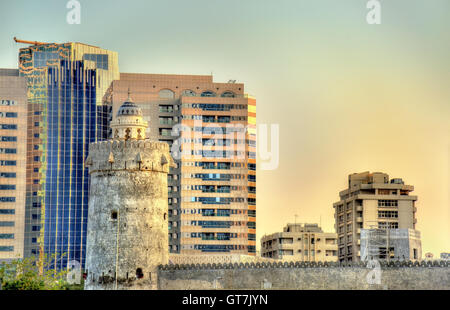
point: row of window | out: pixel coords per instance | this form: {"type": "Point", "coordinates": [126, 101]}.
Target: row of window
{"type": "Point", "coordinates": [388, 225]}
{"type": "Point", "coordinates": [8, 139]}
{"type": "Point", "coordinates": [388, 214]}
{"type": "Point", "coordinates": [214, 200]}
{"type": "Point", "coordinates": [7, 199]}
{"type": "Point", "coordinates": [8, 126]}
{"type": "Point", "coordinates": [8, 151]}
{"type": "Point", "coordinates": [7, 174]}
{"type": "Point", "coordinates": [211, 118]}
{"type": "Point", "coordinates": [214, 106]}
{"type": "Point", "coordinates": [8, 102]}
{"type": "Point", "coordinates": [7, 211]}
{"type": "Point", "coordinates": [388, 203]}
{"type": "Point", "coordinates": [9, 114]}
{"type": "Point", "coordinates": [215, 224]}
{"type": "Point", "coordinates": [6, 236]}
{"type": "Point", "coordinates": [170, 94]}
{"type": "Point", "coordinates": [6, 248]}
{"type": "Point", "coordinates": [199, 211]}
{"type": "Point", "coordinates": [7, 187]}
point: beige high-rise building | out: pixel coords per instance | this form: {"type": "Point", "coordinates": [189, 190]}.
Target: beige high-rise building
{"type": "Point", "coordinates": [376, 204]}
{"type": "Point", "coordinates": [300, 242]}
{"type": "Point", "coordinates": [212, 189]}
{"type": "Point", "coordinates": [13, 141]}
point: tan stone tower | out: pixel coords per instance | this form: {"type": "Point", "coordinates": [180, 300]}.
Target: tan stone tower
{"type": "Point", "coordinates": [127, 224]}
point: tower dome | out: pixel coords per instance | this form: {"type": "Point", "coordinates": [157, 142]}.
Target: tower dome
{"type": "Point", "coordinates": [129, 123]}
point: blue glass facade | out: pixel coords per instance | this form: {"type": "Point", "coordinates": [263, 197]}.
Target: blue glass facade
{"type": "Point", "coordinates": [66, 86]}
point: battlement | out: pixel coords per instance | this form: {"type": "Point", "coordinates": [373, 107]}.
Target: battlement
{"type": "Point", "coordinates": [281, 264]}
{"type": "Point", "coordinates": [130, 155]}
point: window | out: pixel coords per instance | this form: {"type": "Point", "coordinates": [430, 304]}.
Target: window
{"type": "Point", "coordinates": [8, 126]}
{"type": "Point", "coordinates": [6, 236]}
{"type": "Point", "coordinates": [387, 225]}
{"type": "Point", "coordinates": [7, 187]}
{"type": "Point", "coordinates": [388, 214]}
{"type": "Point", "coordinates": [139, 273]}
{"type": "Point", "coordinates": [228, 94]}
{"type": "Point", "coordinates": [7, 199]}
{"type": "Point", "coordinates": [6, 248]}
{"type": "Point", "coordinates": [388, 203]}
{"type": "Point", "coordinates": [8, 163]}
{"type": "Point", "coordinates": [9, 139]}
{"type": "Point", "coordinates": [7, 174]}
{"type": "Point", "coordinates": [188, 93]}
{"type": "Point", "coordinates": [7, 211]}
{"type": "Point", "coordinates": [6, 224]}
{"type": "Point", "coordinates": [208, 94]}
{"type": "Point", "coordinates": [166, 94]}
{"type": "Point", "coordinates": [114, 215]}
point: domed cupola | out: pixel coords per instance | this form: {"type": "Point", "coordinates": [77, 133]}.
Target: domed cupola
{"type": "Point", "coordinates": [129, 123]}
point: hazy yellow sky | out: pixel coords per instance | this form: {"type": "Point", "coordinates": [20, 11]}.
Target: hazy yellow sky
{"type": "Point", "coordinates": [348, 96]}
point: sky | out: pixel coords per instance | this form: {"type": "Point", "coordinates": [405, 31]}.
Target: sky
{"type": "Point", "coordinates": [348, 96]}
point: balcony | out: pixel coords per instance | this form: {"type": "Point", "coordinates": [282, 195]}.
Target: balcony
{"type": "Point", "coordinates": [359, 219]}
{"type": "Point", "coordinates": [359, 208]}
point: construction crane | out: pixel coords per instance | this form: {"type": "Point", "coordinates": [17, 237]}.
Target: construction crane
{"type": "Point", "coordinates": [29, 42]}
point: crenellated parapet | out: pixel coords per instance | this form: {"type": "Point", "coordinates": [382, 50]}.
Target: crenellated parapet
{"type": "Point", "coordinates": [137, 155]}
{"type": "Point", "coordinates": [298, 264]}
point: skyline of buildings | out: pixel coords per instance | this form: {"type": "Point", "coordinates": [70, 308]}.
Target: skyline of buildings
{"type": "Point", "coordinates": [73, 90]}
{"type": "Point", "coordinates": [56, 190]}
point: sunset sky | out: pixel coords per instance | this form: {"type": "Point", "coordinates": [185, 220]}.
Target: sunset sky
{"type": "Point", "coordinates": [348, 96]}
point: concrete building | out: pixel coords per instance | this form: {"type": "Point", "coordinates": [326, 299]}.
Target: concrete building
{"type": "Point", "coordinates": [300, 242]}
{"type": "Point", "coordinates": [212, 190]}
{"type": "Point", "coordinates": [128, 210]}
{"type": "Point", "coordinates": [403, 244]}
{"type": "Point", "coordinates": [372, 201]}
{"type": "Point", "coordinates": [13, 143]}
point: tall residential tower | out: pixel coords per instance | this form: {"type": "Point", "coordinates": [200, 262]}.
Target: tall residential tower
{"type": "Point", "coordinates": [212, 191]}
{"type": "Point", "coordinates": [13, 143]}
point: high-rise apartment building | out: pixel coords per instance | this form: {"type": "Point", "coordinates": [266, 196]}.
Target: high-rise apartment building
{"type": "Point", "coordinates": [300, 242]}
{"type": "Point", "coordinates": [372, 201]}
{"type": "Point", "coordinates": [13, 141]}
{"type": "Point", "coordinates": [67, 87]}
{"type": "Point", "coordinates": [212, 191]}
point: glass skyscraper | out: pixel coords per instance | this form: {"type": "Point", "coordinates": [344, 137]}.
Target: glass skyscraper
{"type": "Point", "coordinates": [68, 108]}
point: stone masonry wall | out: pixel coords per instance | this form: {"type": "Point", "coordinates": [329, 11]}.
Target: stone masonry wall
{"type": "Point", "coordinates": [128, 210]}
{"type": "Point", "coordinates": [305, 276]}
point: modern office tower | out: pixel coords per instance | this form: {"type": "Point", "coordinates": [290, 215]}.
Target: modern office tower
{"type": "Point", "coordinates": [212, 192]}
{"type": "Point", "coordinates": [13, 141]}
{"type": "Point", "coordinates": [67, 109]}
{"type": "Point", "coordinates": [300, 242]}
{"type": "Point", "coordinates": [372, 201]}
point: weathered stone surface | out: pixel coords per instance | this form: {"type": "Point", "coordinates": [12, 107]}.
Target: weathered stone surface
{"type": "Point", "coordinates": [128, 206]}
{"type": "Point", "coordinates": [279, 277]}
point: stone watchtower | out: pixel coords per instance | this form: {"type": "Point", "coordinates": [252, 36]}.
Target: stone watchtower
{"type": "Point", "coordinates": [127, 224]}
